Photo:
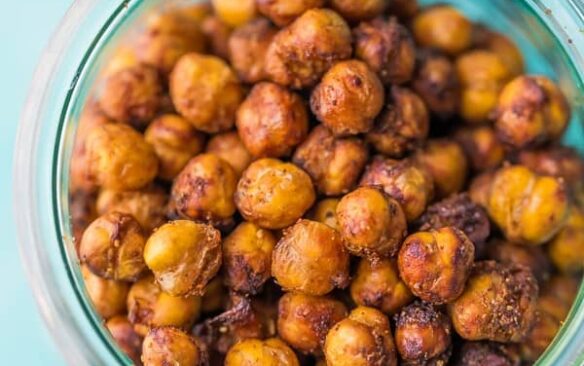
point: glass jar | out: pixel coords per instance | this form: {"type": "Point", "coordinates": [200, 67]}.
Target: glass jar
{"type": "Point", "coordinates": [550, 34]}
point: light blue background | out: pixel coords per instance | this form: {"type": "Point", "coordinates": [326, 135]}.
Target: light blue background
{"type": "Point", "coordinates": [25, 28]}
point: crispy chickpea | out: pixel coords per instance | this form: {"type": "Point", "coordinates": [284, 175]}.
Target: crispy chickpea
{"type": "Point", "coordinates": [118, 158]}
{"type": "Point", "coordinates": [112, 247]}
{"type": "Point", "coordinates": [371, 223]}
{"type": "Point", "coordinates": [217, 34]}
{"type": "Point", "coordinates": [303, 51]}
{"type": "Point", "coordinates": [170, 346]}
{"type": "Point", "coordinates": [502, 46]}
{"type": "Point", "coordinates": [348, 98]}
{"type": "Point", "coordinates": [423, 334]}
{"type": "Point", "coordinates": [436, 264]}
{"type": "Point", "coordinates": [184, 256]}
{"type": "Point", "coordinates": [325, 211]}
{"type": "Point", "coordinates": [480, 187]}
{"type": "Point", "coordinates": [120, 58]}
{"type": "Point", "coordinates": [404, 180]}
{"type": "Point", "coordinates": [204, 189]}
{"type": "Point", "coordinates": [274, 194]}
{"type": "Point", "coordinates": [215, 296]}
{"type": "Point", "coordinates": [403, 9]}
{"type": "Point", "coordinates": [362, 339]}
{"type": "Point", "coordinates": [284, 12]}
{"type": "Point", "coordinates": [488, 353]}
{"type": "Point", "coordinates": [304, 320]}
{"type": "Point", "coordinates": [205, 91]}
{"type": "Point", "coordinates": [108, 296]}
{"type": "Point", "coordinates": [251, 352]}
{"type": "Point", "coordinates": [557, 161]}
{"type": "Point", "coordinates": [297, 262]}
{"type": "Point", "coordinates": [482, 147]}
{"type": "Point", "coordinates": [229, 147]}
{"type": "Point", "coordinates": [530, 257]}
{"type": "Point", "coordinates": [334, 164]}
{"type": "Point", "coordinates": [82, 211]}
{"type": "Point", "coordinates": [126, 338]}
{"type": "Point", "coordinates": [528, 208]}
{"type": "Point", "coordinates": [558, 294]}
{"type": "Point", "coordinates": [566, 250]}
{"type": "Point", "coordinates": [378, 285]}
{"type": "Point", "coordinates": [540, 337]}
{"type": "Point", "coordinates": [447, 163]}
{"type": "Point", "coordinates": [443, 27]}
{"type": "Point", "coordinates": [531, 110]}
{"type": "Point", "coordinates": [272, 120]}
{"type": "Point", "coordinates": [356, 11]}
{"type": "Point", "coordinates": [498, 304]}
{"type": "Point", "coordinates": [235, 12]}
{"type": "Point", "coordinates": [402, 126]}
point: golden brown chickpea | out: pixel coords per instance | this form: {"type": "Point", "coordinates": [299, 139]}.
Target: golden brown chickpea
{"type": "Point", "coordinates": [444, 28]}
{"type": "Point", "coordinates": [540, 337]}
{"type": "Point", "coordinates": [170, 346]}
{"type": "Point", "coordinates": [348, 98]}
{"type": "Point", "coordinates": [273, 194]}
{"type": "Point", "coordinates": [566, 250]}
{"type": "Point", "coordinates": [184, 256]}
{"type": "Point", "coordinates": [501, 45]}
{"type": "Point", "coordinates": [488, 353]}
{"type": "Point", "coordinates": [530, 257]}
{"type": "Point", "coordinates": [235, 12]}
{"type": "Point", "coordinates": [297, 262]}
{"type": "Point", "coordinates": [480, 187]}
{"type": "Point", "coordinates": [378, 285]}
{"type": "Point", "coordinates": [283, 12]}
{"type": "Point", "coordinates": [335, 164]}
{"type": "Point", "coordinates": [108, 296]}
{"type": "Point", "coordinates": [482, 147]}
{"type": "Point", "coordinates": [229, 147]}
{"type": "Point", "coordinates": [531, 110]}
{"type": "Point", "coordinates": [371, 223]}
{"type": "Point", "coordinates": [215, 296]}
{"type": "Point", "coordinates": [356, 11]}
{"type": "Point", "coordinates": [404, 180]}
{"type": "Point", "coordinates": [325, 211]}
{"type": "Point", "coordinates": [498, 304]}
{"type": "Point", "coordinates": [252, 352]}
{"type": "Point", "coordinates": [447, 164]}
{"type": "Point", "coordinates": [403, 9]}
{"type": "Point", "coordinates": [272, 120]}
{"type": "Point", "coordinates": [528, 208]}
{"type": "Point", "coordinates": [118, 158]}
{"type": "Point", "coordinates": [217, 34]}
{"type": "Point", "coordinates": [304, 320]}
{"type": "Point", "coordinates": [204, 189]}
{"type": "Point", "coordinates": [205, 91]}
{"type": "Point", "coordinates": [126, 338]}
{"type": "Point", "coordinates": [423, 335]}
{"type": "Point", "coordinates": [557, 161]}
{"type": "Point", "coordinates": [247, 257]}
{"type": "Point", "coordinates": [387, 48]}
{"type": "Point", "coordinates": [112, 247]}
{"type": "Point", "coordinates": [402, 126]}
{"type": "Point", "coordinates": [362, 339]}
{"type": "Point", "coordinates": [303, 51]}
{"type": "Point", "coordinates": [436, 264]}
{"type": "Point", "coordinates": [121, 57]}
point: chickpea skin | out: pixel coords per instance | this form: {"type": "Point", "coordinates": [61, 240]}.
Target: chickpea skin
{"type": "Point", "coordinates": [488, 353]}
{"type": "Point", "coordinates": [566, 250]}
{"type": "Point", "coordinates": [355, 11]}
{"type": "Point", "coordinates": [325, 211]}
{"type": "Point", "coordinates": [167, 346]}
{"type": "Point", "coordinates": [348, 98]}
{"type": "Point", "coordinates": [557, 161]}
{"type": "Point", "coordinates": [251, 352]}
{"type": "Point", "coordinates": [235, 12]}
{"type": "Point", "coordinates": [108, 296]}
{"type": "Point", "coordinates": [444, 28]}
{"type": "Point", "coordinates": [126, 338]}
{"type": "Point", "coordinates": [229, 147]}
{"type": "Point", "coordinates": [482, 147]}
{"type": "Point", "coordinates": [531, 257]}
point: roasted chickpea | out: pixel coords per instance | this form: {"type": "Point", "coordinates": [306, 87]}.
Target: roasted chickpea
{"type": "Point", "coordinates": [82, 212]}
{"type": "Point", "coordinates": [359, 10]}
{"type": "Point", "coordinates": [167, 346]}
{"type": "Point", "coordinates": [274, 194]}
{"type": "Point", "coordinates": [423, 335]}
{"type": "Point", "coordinates": [251, 352]}
{"type": "Point", "coordinates": [488, 353]}
{"type": "Point", "coordinates": [482, 147]}
{"type": "Point", "coordinates": [272, 120]}
{"type": "Point", "coordinates": [217, 34]}
{"type": "Point", "coordinates": [404, 180]}
{"type": "Point", "coordinates": [184, 256]}
{"type": "Point", "coordinates": [325, 211]}
{"type": "Point", "coordinates": [229, 147]}
{"type": "Point", "coordinates": [498, 304]}
{"type": "Point", "coordinates": [402, 126]}
{"type": "Point", "coordinates": [502, 46]}
{"type": "Point", "coordinates": [348, 98]}
{"type": "Point", "coordinates": [304, 320]}
{"type": "Point", "coordinates": [205, 91]}
{"type": "Point", "coordinates": [378, 285]}
{"type": "Point", "coordinates": [444, 28]}
{"type": "Point", "coordinates": [531, 110]}
{"type": "Point", "coordinates": [403, 9]}
{"type": "Point", "coordinates": [112, 247]}
{"type": "Point", "coordinates": [447, 164]}
{"type": "Point", "coordinates": [480, 187]}
{"type": "Point", "coordinates": [362, 339]}
{"type": "Point", "coordinates": [543, 333]}
{"type": "Point", "coordinates": [118, 158]}
{"type": "Point", "coordinates": [566, 250]}
{"type": "Point", "coordinates": [215, 296]}
{"type": "Point", "coordinates": [530, 257]}
{"type": "Point", "coordinates": [303, 51]}
{"type": "Point", "coordinates": [558, 294]}
{"type": "Point", "coordinates": [334, 164]}
{"type": "Point", "coordinates": [235, 12]}
{"type": "Point", "coordinates": [297, 262]}
{"type": "Point", "coordinates": [557, 161]}
{"type": "Point", "coordinates": [283, 12]}
{"type": "Point", "coordinates": [108, 296]}
{"type": "Point", "coordinates": [126, 338]}
{"type": "Point", "coordinates": [371, 223]}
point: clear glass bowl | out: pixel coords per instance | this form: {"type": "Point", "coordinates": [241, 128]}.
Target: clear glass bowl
{"type": "Point", "coordinates": [549, 32]}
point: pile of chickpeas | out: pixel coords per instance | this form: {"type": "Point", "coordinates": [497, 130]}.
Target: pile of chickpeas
{"type": "Point", "coordinates": [326, 182]}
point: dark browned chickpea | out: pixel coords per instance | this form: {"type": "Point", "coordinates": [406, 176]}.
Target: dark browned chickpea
{"type": "Point", "coordinates": [272, 120]}
{"type": "Point", "coordinates": [325, 211]}
{"type": "Point", "coordinates": [253, 352]}
{"type": "Point", "coordinates": [502, 46]}
{"type": "Point", "coordinates": [403, 9]}
{"type": "Point", "coordinates": [234, 13]}
{"type": "Point", "coordinates": [283, 12]}
{"type": "Point", "coordinates": [423, 335]}
{"type": "Point", "coordinates": [348, 98]}
{"type": "Point", "coordinates": [531, 110]}
{"type": "Point", "coordinates": [387, 48]}
{"type": "Point", "coordinates": [274, 194]}
{"type": "Point", "coordinates": [480, 188]}
{"type": "Point", "coordinates": [170, 346]}
{"type": "Point", "coordinates": [436, 264]}
{"type": "Point", "coordinates": [498, 304]}
{"type": "Point", "coordinates": [297, 262]}
{"type": "Point", "coordinates": [530, 257]}
{"type": "Point", "coordinates": [404, 180]}
{"type": "Point", "coordinates": [447, 164]}
{"type": "Point", "coordinates": [371, 223]}
{"type": "Point", "coordinates": [112, 247]}
{"type": "Point", "coordinates": [557, 161]}
{"type": "Point", "coordinates": [108, 296]}
{"type": "Point", "coordinates": [566, 250]}
{"type": "Point", "coordinates": [304, 320]}
{"type": "Point", "coordinates": [184, 256]}
{"type": "Point", "coordinates": [229, 147]}
{"type": "Point", "coordinates": [215, 296]}
{"type": "Point", "coordinates": [378, 285]}
{"type": "Point", "coordinates": [402, 126]}
{"type": "Point", "coordinates": [359, 10]}
{"type": "Point", "coordinates": [303, 51]}
{"type": "Point", "coordinates": [543, 333]}
{"type": "Point", "coordinates": [363, 339]}
{"type": "Point", "coordinates": [126, 338]}
{"type": "Point", "coordinates": [488, 353]}
{"type": "Point", "coordinates": [217, 34]}
{"type": "Point", "coordinates": [335, 164]}
{"type": "Point", "coordinates": [443, 27]}
{"type": "Point", "coordinates": [205, 91]}
{"type": "Point", "coordinates": [482, 147]}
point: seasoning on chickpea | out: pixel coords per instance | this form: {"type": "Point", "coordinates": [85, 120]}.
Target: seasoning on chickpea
{"type": "Point", "coordinates": [126, 338]}
{"type": "Point", "coordinates": [566, 250]}
{"type": "Point", "coordinates": [167, 345]}
{"type": "Point", "coordinates": [235, 12]}
{"type": "Point", "coordinates": [229, 147]}
{"type": "Point", "coordinates": [325, 211]}
{"type": "Point", "coordinates": [444, 28]}
{"type": "Point", "coordinates": [482, 147]}
{"type": "Point", "coordinates": [356, 11]}
{"type": "Point", "coordinates": [447, 164]}
{"type": "Point", "coordinates": [108, 296]}
{"type": "Point", "coordinates": [488, 353]}
{"type": "Point", "coordinates": [257, 352]}
{"type": "Point", "coordinates": [531, 257]}
{"type": "Point", "coordinates": [217, 34]}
